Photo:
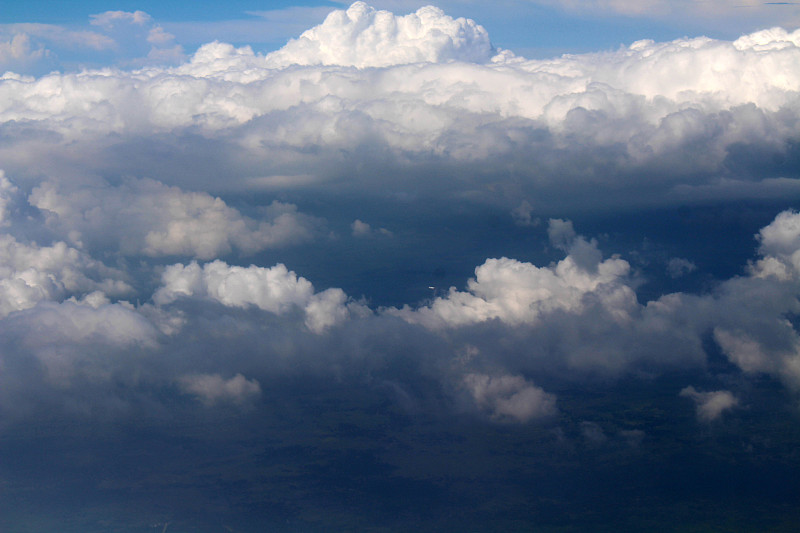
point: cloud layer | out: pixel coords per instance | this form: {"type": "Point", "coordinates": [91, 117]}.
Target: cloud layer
{"type": "Point", "coordinates": [110, 166]}
{"type": "Point", "coordinates": [390, 233]}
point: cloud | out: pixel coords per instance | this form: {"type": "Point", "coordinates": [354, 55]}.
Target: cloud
{"type": "Point", "coordinates": [519, 293]}
{"type": "Point", "coordinates": [74, 344]}
{"type": "Point", "coordinates": [555, 133]}
{"type": "Point", "coordinates": [522, 215]}
{"type": "Point", "coordinates": [592, 432]}
{"type": "Point", "coordinates": [18, 52]}
{"type": "Point", "coordinates": [156, 221]}
{"type": "Point", "coordinates": [710, 405]}
{"type": "Point", "coordinates": [276, 290]}
{"type": "Point", "coordinates": [212, 389]}
{"type": "Point", "coordinates": [31, 273]}
{"type": "Point", "coordinates": [509, 398]}
{"type": "Point", "coordinates": [147, 217]}
{"type": "Point", "coordinates": [138, 36]}
{"type": "Point", "coordinates": [362, 229]}
{"type": "Point", "coordinates": [363, 37]}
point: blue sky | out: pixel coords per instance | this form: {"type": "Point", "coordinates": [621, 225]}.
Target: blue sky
{"type": "Point", "coordinates": [351, 267]}
{"type": "Point", "coordinates": [532, 29]}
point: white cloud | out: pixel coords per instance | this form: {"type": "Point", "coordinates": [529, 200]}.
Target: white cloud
{"type": "Point", "coordinates": [518, 293]}
{"type": "Point", "coordinates": [710, 405]}
{"type": "Point", "coordinates": [30, 274]}
{"type": "Point", "coordinates": [550, 123]}
{"type": "Point", "coordinates": [363, 37]}
{"type": "Point", "coordinates": [213, 389]}
{"type": "Point", "coordinates": [509, 398]}
{"type": "Point", "coordinates": [406, 109]}
{"type": "Point", "coordinates": [19, 51]}
{"type": "Point", "coordinates": [275, 289]}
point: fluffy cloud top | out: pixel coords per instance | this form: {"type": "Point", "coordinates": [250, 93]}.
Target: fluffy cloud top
{"type": "Point", "coordinates": [30, 274]}
{"type": "Point", "coordinates": [517, 293]}
{"type": "Point", "coordinates": [274, 289]}
{"type": "Point", "coordinates": [552, 122]}
{"type": "Point", "coordinates": [364, 37]}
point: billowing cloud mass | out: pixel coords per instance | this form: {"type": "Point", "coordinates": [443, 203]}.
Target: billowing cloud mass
{"type": "Point", "coordinates": [274, 289]}
{"type": "Point", "coordinates": [234, 154]}
{"type": "Point", "coordinates": [364, 37]}
{"type": "Point", "coordinates": [548, 124]}
{"type": "Point", "coordinates": [711, 11]}
{"type": "Point", "coordinates": [390, 258]}
{"type": "Point", "coordinates": [107, 167]}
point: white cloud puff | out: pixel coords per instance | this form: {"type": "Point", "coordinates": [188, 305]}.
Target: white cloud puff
{"type": "Point", "coordinates": [30, 274]}
{"type": "Point", "coordinates": [710, 405]}
{"type": "Point", "coordinates": [780, 247]}
{"type": "Point", "coordinates": [213, 389]}
{"type": "Point", "coordinates": [276, 289]}
{"type": "Point", "coordinates": [509, 398]}
{"type": "Point", "coordinates": [518, 293]}
{"type": "Point", "coordinates": [364, 37]}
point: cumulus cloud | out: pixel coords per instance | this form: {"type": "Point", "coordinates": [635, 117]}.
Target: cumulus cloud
{"type": "Point", "coordinates": [518, 293]}
{"type": "Point", "coordinates": [551, 124]}
{"type": "Point", "coordinates": [593, 433]}
{"type": "Point", "coordinates": [406, 109]}
{"type": "Point", "coordinates": [364, 37]}
{"type": "Point", "coordinates": [509, 398]}
{"type": "Point", "coordinates": [155, 219]}
{"type": "Point", "coordinates": [710, 405]}
{"type": "Point", "coordinates": [275, 289]}
{"type": "Point", "coordinates": [30, 274]}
